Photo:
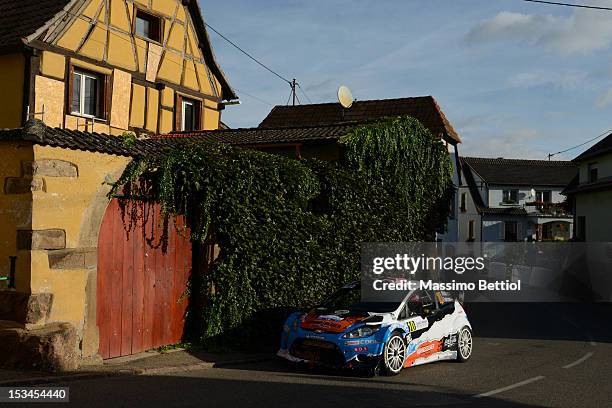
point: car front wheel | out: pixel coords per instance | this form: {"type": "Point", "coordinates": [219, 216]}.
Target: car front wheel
{"type": "Point", "coordinates": [464, 344]}
{"type": "Point", "coordinates": [394, 355]}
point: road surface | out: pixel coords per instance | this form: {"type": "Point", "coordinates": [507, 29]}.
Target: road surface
{"type": "Point", "coordinates": [545, 356]}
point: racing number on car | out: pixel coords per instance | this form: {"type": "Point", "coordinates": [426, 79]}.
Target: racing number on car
{"type": "Point", "coordinates": [412, 326]}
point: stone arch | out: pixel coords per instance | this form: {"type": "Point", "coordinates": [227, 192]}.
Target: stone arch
{"type": "Point", "coordinates": [88, 239]}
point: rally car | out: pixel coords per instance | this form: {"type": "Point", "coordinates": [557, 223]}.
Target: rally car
{"type": "Point", "coordinates": [384, 337]}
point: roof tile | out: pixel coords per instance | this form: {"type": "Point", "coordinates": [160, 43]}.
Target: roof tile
{"type": "Point", "coordinates": [21, 18]}
{"type": "Point", "coordinates": [423, 108]}
{"type": "Point", "coordinates": [517, 172]}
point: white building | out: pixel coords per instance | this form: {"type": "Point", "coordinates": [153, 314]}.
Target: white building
{"type": "Point", "coordinates": [510, 200]}
{"type": "Point", "coordinates": [591, 193]}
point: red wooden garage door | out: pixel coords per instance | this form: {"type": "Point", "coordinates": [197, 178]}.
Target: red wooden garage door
{"type": "Point", "coordinates": [141, 281]}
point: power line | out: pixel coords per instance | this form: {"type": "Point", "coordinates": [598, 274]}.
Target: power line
{"type": "Point", "coordinates": [607, 132]}
{"type": "Point", "coordinates": [304, 93]}
{"type": "Point", "coordinates": [247, 54]}
{"type": "Point", "coordinates": [253, 97]}
{"type": "Point", "coordinates": [554, 3]}
{"type": "Point", "coordinates": [99, 24]}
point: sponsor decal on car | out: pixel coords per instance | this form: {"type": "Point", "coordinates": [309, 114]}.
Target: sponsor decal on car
{"type": "Point", "coordinates": [450, 342]}
{"type": "Point", "coordinates": [417, 323]}
{"type": "Point", "coordinates": [358, 342]}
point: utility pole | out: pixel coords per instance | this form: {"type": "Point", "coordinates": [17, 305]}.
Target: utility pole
{"type": "Point", "coordinates": [293, 90]}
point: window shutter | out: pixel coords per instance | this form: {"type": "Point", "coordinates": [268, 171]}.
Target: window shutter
{"type": "Point", "coordinates": [70, 90]}
{"type": "Point", "coordinates": [197, 108]}
{"type": "Point", "coordinates": [105, 96]}
{"type": "Point", "coordinates": [178, 107]}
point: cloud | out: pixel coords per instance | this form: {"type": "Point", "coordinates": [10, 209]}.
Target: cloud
{"type": "Point", "coordinates": [513, 145]}
{"type": "Point", "coordinates": [583, 31]}
{"type": "Point", "coordinates": [605, 99]}
{"type": "Point", "coordinates": [563, 80]}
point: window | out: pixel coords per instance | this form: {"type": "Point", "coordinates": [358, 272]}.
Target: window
{"type": "Point", "coordinates": [471, 236]}
{"type": "Point", "coordinates": [188, 114]}
{"type": "Point", "coordinates": [148, 26]}
{"type": "Point", "coordinates": [543, 196]}
{"type": "Point", "coordinates": [510, 231]}
{"type": "Point", "coordinates": [87, 94]}
{"type": "Point", "coordinates": [463, 206]}
{"type": "Point", "coordinates": [188, 119]}
{"type": "Point", "coordinates": [593, 174]}
{"type": "Point", "coordinates": [510, 197]}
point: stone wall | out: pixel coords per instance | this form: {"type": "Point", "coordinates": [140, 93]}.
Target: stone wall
{"type": "Point", "coordinates": [51, 206]}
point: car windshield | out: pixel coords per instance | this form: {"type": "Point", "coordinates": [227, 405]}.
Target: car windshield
{"type": "Point", "coordinates": [350, 299]}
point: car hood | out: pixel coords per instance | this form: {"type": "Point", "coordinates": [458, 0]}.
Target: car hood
{"type": "Point", "coordinates": [338, 322]}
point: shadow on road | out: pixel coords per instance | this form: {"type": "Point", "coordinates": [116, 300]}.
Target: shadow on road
{"type": "Point", "coordinates": [165, 391]}
{"type": "Point", "coordinates": [546, 321]}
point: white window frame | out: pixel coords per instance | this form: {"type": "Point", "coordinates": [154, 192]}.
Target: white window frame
{"type": "Point", "coordinates": [184, 103]}
{"type": "Point", "coordinates": [81, 112]}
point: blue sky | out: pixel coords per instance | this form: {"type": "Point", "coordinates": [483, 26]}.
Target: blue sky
{"type": "Point", "coordinates": [516, 79]}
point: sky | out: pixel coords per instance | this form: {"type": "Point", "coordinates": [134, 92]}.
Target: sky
{"type": "Point", "coordinates": [516, 79]}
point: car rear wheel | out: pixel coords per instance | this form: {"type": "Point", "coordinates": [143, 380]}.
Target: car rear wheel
{"type": "Point", "coordinates": [394, 355]}
{"type": "Point", "coordinates": [464, 344]}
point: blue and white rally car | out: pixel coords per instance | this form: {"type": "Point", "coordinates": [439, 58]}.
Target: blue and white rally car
{"type": "Point", "coordinates": [345, 332]}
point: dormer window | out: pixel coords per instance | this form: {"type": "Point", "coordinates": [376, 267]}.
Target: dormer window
{"type": "Point", "coordinates": [148, 26]}
{"type": "Point", "coordinates": [188, 114]}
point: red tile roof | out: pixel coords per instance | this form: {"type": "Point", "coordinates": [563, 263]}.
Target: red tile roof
{"type": "Point", "coordinates": [423, 108]}
{"type": "Point", "coordinates": [260, 136]}
{"type": "Point", "coordinates": [19, 19]}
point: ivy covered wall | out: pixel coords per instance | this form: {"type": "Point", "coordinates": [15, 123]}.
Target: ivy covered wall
{"type": "Point", "coordinates": [290, 231]}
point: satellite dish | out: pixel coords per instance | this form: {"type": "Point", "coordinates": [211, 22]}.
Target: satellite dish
{"type": "Point", "coordinates": [345, 97]}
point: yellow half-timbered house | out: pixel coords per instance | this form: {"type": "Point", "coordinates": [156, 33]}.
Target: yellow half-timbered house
{"type": "Point", "coordinates": [109, 66]}
{"type": "Point", "coordinates": [75, 74]}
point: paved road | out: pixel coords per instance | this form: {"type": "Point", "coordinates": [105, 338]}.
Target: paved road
{"type": "Point", "coordinates": [557, 356]}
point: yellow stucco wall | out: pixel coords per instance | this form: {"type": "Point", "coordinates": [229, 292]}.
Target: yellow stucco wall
{"type": "Point", "coordinates": [49, 104]}
{"type": "Point", "coordinates": [211, 119]}
{"type": "Point", "coordinates": [15, 212]}
{"type": "Point", "coordinates": [75, 205]}
{"type": "Point", "coordinates": [12, 69]}
{"type": "Point", "coordinates": [53, 65]}
{"type": "Point", "coordinates": [137, 118]}
{"type": "Point", "coordinates": [152, 109]}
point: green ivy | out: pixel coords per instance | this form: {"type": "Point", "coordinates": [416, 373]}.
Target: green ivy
{"type": "Point", "coordinates": [290, 231]}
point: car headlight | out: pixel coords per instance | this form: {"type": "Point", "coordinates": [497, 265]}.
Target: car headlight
{"type": "Point", "coordinates": [362, 331]}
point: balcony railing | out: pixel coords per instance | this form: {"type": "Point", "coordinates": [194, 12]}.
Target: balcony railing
{"type": "Point", "coordinates": [550, 209]}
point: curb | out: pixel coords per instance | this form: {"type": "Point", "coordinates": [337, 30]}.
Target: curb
{"type": "Point", "coordinates": [222, 364]}
{"type": "Point", "coordinates": [130, 372]}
